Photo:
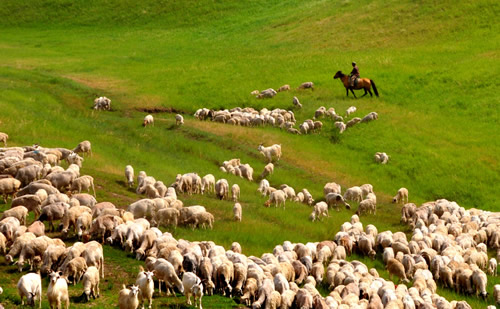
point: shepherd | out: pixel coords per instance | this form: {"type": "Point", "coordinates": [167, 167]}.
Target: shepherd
{"type": "Point", "coordinates": [353, 82]}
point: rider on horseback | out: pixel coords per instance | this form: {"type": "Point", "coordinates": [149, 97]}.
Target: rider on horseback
{"type": "Point", "coordinates": [354, 73]}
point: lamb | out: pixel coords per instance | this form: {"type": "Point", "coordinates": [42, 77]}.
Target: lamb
{"type": "Point", "coordinates": [381, 157]}
{"type": "Point", "coordinates": [268, 170]}
{"type": "Point", "coordinates": [284, 88]}
{"type": "Point", "coordinates": [235, 192]}
{"type": "Point", "coordinates": [492, 267]}
{"type": "Point", "coordinates": [354, 194]}
{"type": "Point", "coordinates": [128, 298]}
{"type": "Point", "coordinates": [3, 138]}
{"type": "Point", "coordinates": [148, 120]}
{"type": "Point", "coordinates": [306, 85]}
{"type": "Point", "coordinates": [341, 126]}
{"type": "Point", "coordinates": [320, 209]}
{"type": "Point", "coordinates": [164, 271]}
{"type": "Point", "coordinates": [57, 292]}
{"type": "Point", "coordinates": [401, 196]}
{"type": "Point", "coordinates": [9, 186]}
{"type": "Point", "coordinates": [277, 197]}
{"type": "Point", "coordinates": [350, 111]}
{"type": "Point", "coordinates": [90, 282]}
{"type": "Point", "coordinates": [197, 291]}
{"type": "Point", "coordinates": [370, 117]}
{"type": "Point", "coordinates": [396, 268]}
{"type": "Point", "coordinates": [146, 286]}
{"type": "Point", "coordinates": [270, 152]}
{"type": "Point", "coordinates": [18, 212]}
{"type": "Point", "coordinates": [30, 286]}
{"type": "Point", "coordinates": [189, 280]}
{"type": "Point", "coordinates": [237, 212]}
{"type": "Point", "coordinates": [179, 120]}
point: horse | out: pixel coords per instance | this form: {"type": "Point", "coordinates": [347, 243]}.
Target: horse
{"type": "Point", "coordinates": [363, 83]}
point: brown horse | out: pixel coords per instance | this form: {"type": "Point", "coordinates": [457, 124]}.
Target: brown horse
{"type": "Point", "coordinates": [363, 83]}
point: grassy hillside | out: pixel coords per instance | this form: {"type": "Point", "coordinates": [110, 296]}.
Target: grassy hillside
{"type": "Point", "coordinates": [434, 63]}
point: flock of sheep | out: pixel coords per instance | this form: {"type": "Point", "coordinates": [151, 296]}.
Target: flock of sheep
{"type": "Point", "coordinates": [448, 244]}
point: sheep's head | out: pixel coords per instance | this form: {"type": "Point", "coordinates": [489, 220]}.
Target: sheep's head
{"type": "Point", "coordinates": [134, 290]}
{"type": "Point", "coordinates": [30, 298]}
{"type": "Point", "coordinates": [139, 253]}
{"type": "Point", "coordinates": [267, 203]}
{"type": "Point", "coordinates": [54, 276]}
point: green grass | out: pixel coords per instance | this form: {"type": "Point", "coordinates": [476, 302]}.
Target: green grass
{"type": "Point", "coordinates": [434, 64]}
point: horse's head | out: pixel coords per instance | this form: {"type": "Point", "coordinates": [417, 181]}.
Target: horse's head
{"type": "Point", "coordinates": [338, 75]}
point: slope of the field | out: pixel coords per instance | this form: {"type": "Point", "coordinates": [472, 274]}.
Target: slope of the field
{"type": "Point", "coordinates": [434, 64]}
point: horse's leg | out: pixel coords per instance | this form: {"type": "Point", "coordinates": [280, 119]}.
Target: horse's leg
{"type": "Point", "coordinates": [346, 91]}
{"type": "Point", "coordinates": [371, 95]}
{"type": "Point", "coordinates": [365, 92]}
{"type": "Point", "coordinates": [353, 94]}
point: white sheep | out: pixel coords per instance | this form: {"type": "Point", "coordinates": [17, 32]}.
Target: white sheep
{"type": "Point", "coordinates": [350, 110]}
{"type": "Point", "coordinates": [102, 103]}
{"type": "Point", "coordinates": [341, 126]}
{"type": "Point", "coordinates": [255, 92]}
{"type": "Point", "coordinates": [285, 87]}
{"type": "Point", "coordinates": [179, 120]}
{"type": "Point", "coordinates": [370, 117]}
{"type": "Point", "coordinates": [320, 209]}
{"type": "Point", "coordinates": [268, 170]}
{"type": "Point", "coordinates": [148, 120]}
{"type": "Point", "coordinates": [90, 283]}
{"type": "Point", "coordinates": [353, 194]}
{"type": "Point", "coordinates": [401, 196]}
{"type": "Point", "coordinates": [83, 183]}
{"type": "Point", "coordinates": [296, 102]}
{"type": "Point", "coordinates": [306, 85]}
{"type": "Point", "coordinates": [381, 157]}
{"type": "Point", "coordinates": [235, 192]}
{"type": "Point", "coordinates": [277, 197]}
{"type": "Point", "coordinates": [30, 286]}
{"type": "Point", "coordinates": [492, 267]}
{"type": "Point", "coordinates": [3, 138]}
{"type": "Point", "coordinates": [208, 183]}
{"type": "Point", "coordinates": [237, 212]}
{"type": "Point", "coordinates": [129, 175]}
{"type": "Point", "coordinates": [189, 280]}
{"type": "Point", "coordinates": [84, 147]}
{"type": "Point", "coordinates": [57, 292]}
{"type": "Point", "coordinates": [270, 152]}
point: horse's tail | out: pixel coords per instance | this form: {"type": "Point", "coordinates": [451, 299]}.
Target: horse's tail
{"type": "Point", "coordinates": [374, 87]}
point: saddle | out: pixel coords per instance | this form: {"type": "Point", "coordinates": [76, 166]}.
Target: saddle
{"type": "Point", "coordinates": [354, 82]}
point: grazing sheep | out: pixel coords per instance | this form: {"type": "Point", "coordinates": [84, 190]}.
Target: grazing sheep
{"type": "Point", "coordinates": [165, 271]}
{"type": "Point", "coordinates": [9, 186]}
{"type": "Point", "coordinates": [277, 197]}
{"type": "Point", "coordinates": [208, 183]}
{"type": "Point", "coordinates": [146, 287]}
{"type": "Point", "coordinates": [222, 189]}
{"type": "Point", "coordinates": [128, 298]}
{"type": "Point", "coordinates": [367, 206]}
{"type": "Point", "coordinates": [268, 93]}
{"type": "Point", "coordinates": [492, 267]}
{"type": "Point", "coordinates": [203, 219]}
{"type": "Point", "coordinates": [268, 170]}
{"type": "Point", "coordinates": [53, 212]}
{"type": "Point", "coordinates": [18, 212]}
{"type": "Point", "coordinates": [3, 138]}
{"type": "Point", "coordinates": [352, 122]}
{"type": "Point", "coordinates": [179, 120]}
{"type": "Point", "coordinates": [57, 292]}
{"type": "Point", "coordinates": [84, 147]}
{"type": "Point", "coordinates": [255, 92]}
{"type": "Point", "coordinates": [102, 103]}
{"type": "Point", "coordinates": [401, 196]}
{"type": "Point", "coordinates": [148, 120]}
{"type": "Point", "coordinates": [249, 291]}
{"type": "Point", "coordinates": [32, 202]}
{"type": "Point", "coordinates": [341, 126]}
{"type": "Point", "coordinates": [237, 212]}
{"type": "Point", "coordinates": [306, 85]}
{"type": "Point", "coordinates": [90, 282]}
{"type": "Point", "coordinates": [75, 269]}
{"type": "Point", "coordinates": [395, 268]}
{"type": "Point", "coordinates": [284, 88]}
{"type": "Point", "coordinates": [350, 111]}
{"type": "Point", "coordinates": [381, 157]}
{"type": "Point", "coordinates": [197, 291]}
{"type": "Point", "coordinates": [320, 209]}
{"type": "Point", "coordinates": [189, 280]}
{"type": "Point", "coordinates": [167, 216]}
{"type": "Point", "coordinates": [304, 128]}
{"type": "Point", "coordinates": [129, 175]}
{"type": "Point", "coordinates": [30, 286]}
{"type": "Point", "coordinates": [296, 102]}
{"type": "Point", "coordinates": [336, 199]}
{"type": "Point", "coordinates": [83, 183]}
{"type": "Point", "coordinates": [235, 192]}
{"type": "Point", "coordinates": [370, 117]}
{"type": "Point", "coordinates": [480, 280]}
{"type": "Point", "coordinates": [270, 152]}
{"type": "Point", "coordinates": [73, 158]}
{"type": "Point", "coordinates": [353, 194]}
{"type": "Point", "coordinates": [496, 294]}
